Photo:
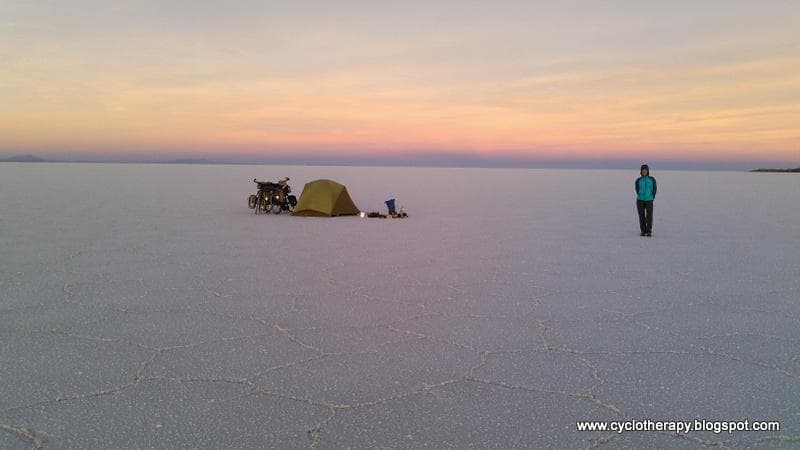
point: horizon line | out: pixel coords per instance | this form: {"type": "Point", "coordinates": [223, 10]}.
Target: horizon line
{"type": "Point", "coordinates": [470, 161]}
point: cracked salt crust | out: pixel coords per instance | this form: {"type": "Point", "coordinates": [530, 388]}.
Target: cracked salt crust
{"type": "Point", "coordinates": [474, 323]}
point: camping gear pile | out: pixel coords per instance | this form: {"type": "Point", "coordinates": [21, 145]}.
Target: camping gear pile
{"type": "Point", "coordinates": [320, 198]}
{"type": "Point", "coordinates": [394, 213]}
{"type": "Point", "coordinates": [272, 197]}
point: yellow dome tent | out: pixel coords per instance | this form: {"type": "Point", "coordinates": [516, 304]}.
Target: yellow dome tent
{"type": "Point", "coordinates": [325, 198]}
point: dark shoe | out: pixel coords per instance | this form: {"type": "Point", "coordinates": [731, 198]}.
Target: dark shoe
{"type": "Point", "coordinates": [642, 234]}
{"type": "Point", "coordinates": [649, 234]}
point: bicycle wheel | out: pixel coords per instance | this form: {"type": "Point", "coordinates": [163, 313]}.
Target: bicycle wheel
{"type": "Point", "coordinates": [262, 203]}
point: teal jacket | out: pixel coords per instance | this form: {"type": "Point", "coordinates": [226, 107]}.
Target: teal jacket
{"type": "Point", "coordinates": [646, 188]}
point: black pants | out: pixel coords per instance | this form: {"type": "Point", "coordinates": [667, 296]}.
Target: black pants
{"type": "Point", "coordinates": [645, 209]}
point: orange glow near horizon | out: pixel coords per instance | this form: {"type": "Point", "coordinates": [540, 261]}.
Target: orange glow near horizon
{"type": "Point", "coordinates": [397, 96]}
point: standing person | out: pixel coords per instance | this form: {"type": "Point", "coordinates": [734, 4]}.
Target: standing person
{"type": "Point", "coordinates": [646, 188]}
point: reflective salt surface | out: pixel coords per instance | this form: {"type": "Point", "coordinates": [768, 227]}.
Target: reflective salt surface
{"type": "Point", "coordinates": [146, 306]}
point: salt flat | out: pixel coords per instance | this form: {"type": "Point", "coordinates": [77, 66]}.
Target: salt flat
{"type": "Point", "coordinates": [146, 306]}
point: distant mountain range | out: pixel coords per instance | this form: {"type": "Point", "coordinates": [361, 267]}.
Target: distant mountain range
{"type": "Point", "coordinates": [434, 162]}
{"type": "Point", "coordinates": [190, 161]}
{"type": "Point", "coordinates": [796, 170]}
{"type": "Point", "coordinates": [23, 158]}
{"type": "Point", "coordinates": [36, 159]}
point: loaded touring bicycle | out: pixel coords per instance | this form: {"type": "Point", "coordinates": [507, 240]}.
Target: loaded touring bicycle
{"type": "Point", "coordinates": [272, 197]}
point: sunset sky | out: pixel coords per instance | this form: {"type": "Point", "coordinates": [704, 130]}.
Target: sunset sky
{"type": "Point", "coordinates": [691, 81]}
